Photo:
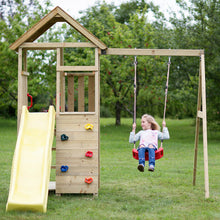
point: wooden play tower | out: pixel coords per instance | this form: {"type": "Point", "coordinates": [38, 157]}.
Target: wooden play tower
{"type": "Point", "coordinates": [78, 127]}
{"type": "Point", "coordinates": [77, 130]}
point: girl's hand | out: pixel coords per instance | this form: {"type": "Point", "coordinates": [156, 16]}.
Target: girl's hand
{"type": "Point", "coordinates": [134, 127]}
{"type": "Point", "coordinates": [164, 124]}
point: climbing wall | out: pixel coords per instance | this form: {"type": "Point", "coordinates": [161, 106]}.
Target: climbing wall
{"type": "Point", "coordinates": [77, 154]}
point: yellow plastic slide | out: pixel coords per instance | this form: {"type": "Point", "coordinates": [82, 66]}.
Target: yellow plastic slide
{"type": "Point", "coordinates": [30, 173]}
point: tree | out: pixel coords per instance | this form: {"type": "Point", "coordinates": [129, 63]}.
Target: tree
{"type": "Point", "coordinates": [15, 18]}
{"type": "Point", "coordinates": [201, 30]}
{"type": "Point", "coordinates": [117, 71]}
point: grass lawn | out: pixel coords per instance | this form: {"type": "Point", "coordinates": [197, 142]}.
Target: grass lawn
{"type": "Point", "coordinates": [126, 193]}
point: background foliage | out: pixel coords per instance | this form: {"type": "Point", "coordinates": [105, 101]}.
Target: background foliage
{"type": "Point", "coordinates": [126, 26]}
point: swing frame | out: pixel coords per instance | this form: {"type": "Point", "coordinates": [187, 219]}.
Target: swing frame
{"type": "Point", "coordinates": [158, 152]}
{"type": "Point", "coordinates": [201, 99]}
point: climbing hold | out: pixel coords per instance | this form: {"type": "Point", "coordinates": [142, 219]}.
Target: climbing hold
{"type": "Point", "coordinates": [64, 168]}
{"type": "Point", "coordinates": [89, 180]}
{"type": "Point", "coordinates": [89, 154]}
{"type": "Point", "coordinates": [64, 137]}
{"type": "Point", "coordinates": [88, 126]}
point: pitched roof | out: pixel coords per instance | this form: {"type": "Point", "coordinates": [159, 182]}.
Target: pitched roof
{"type": "Point", "coordinates": [56, 15]}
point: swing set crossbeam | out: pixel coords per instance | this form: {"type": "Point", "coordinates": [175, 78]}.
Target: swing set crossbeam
{"type": "Point", "coordinates": [154, 52]}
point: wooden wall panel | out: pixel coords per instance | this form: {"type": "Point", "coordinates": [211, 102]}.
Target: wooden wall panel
{"type": "Point", "coordinates": [78, 171]}
{"type": "Point", "coordinates": [75, 144]}
{"type": "Point", "coordinates": [78, 136]}
{"type": "Point", "coordinates": [72, 153]}
{"type": "Point", "coordinates": [76, 184]}
{"type": "Point", "coordinates": [75, 157]}
{"type": "Point", "coordinates": [76, 119]}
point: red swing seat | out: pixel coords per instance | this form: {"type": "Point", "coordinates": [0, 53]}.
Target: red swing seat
{"type": "Point", "coordinates": [158, 154]}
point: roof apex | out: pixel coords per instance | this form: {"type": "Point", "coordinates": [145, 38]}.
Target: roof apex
{"type": "Point", "coordinates": [56, 15]}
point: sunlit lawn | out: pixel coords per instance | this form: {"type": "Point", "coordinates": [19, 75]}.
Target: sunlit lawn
{"type": "Point", "coordinates": [125, 193]}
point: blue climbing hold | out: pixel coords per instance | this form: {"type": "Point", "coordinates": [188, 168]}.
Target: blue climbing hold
{"type": "Point", "coordinates": [64, 168]}
{"type": "Point", "coordinates": [64, 137]}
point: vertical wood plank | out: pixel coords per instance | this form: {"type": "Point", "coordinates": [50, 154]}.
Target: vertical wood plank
{"type": "Point", "coordinates": [197, 126]}
{"type": "Point", "coordinates": [97, 104]}
{"type": "Point", "coordinates": [97, 82]}
{"type": "Point", "coordinates": [62, 83]}
{"type": "Point", "coordinates": [205, 143]}
{"type": "Point", "coordinates": [58, 83]}
{"type": "Point", "coordinates": [81, 94]}
{"type": "Point", "coordinates": [91, 94]}
{"type": "Point", "coordinates": [22, 84]}
{"type": "Point", "coordinates": [19, 87]}
{"type": "Point", "coordinates": [70, 93]}
{"type": "Point", "coordinates": [25, 79]}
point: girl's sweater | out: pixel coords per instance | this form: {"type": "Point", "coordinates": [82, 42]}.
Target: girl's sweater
{"type": "Point", "coordinates": [149, 136]}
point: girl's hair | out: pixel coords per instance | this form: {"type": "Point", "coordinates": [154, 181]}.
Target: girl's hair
{"type": "Point", "coordinates": [150, 119]}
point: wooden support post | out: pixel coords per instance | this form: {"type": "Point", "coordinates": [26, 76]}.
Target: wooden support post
{"type": "Point", "coordinates": [197, 126]}
{"type": "Point", "coordinates": [22, 83]}
{"type": "Point", "coordinates": [62, 83]}
{"type": "Point", "coordinates": [25, 78]}
{"type": "Point", "coordinates": [205, 143]}
{"type": "Point", "coordinates": [97, 104]}
{"type": "Point", "coordinates": [201, 113]}
{"type": "Point", "coordinates": [58, 83]}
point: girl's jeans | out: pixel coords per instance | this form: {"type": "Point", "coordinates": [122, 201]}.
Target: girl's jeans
{"type": "Point", "coordinates": [151, 153]}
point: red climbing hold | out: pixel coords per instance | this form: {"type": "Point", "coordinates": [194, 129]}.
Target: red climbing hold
{"type": "Point", "coordinates": [89, 154]}
{"type": "Point", "coordinates": [89, 180]}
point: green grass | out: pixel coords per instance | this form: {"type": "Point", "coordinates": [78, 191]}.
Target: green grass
{"type": "Point", "coordinates": [125, 193]}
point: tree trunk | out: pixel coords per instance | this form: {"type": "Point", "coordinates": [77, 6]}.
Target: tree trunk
{"type": "Point", "coordinates": [118, 113]}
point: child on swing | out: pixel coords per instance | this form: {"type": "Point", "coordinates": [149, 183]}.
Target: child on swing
{"type": "Point", "coordinates": [148, 140]}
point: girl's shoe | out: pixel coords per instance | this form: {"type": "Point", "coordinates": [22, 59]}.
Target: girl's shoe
{"type": "Point", "coordinates": [151, 168]}
{"type": "Point", "coordinates": [141, 167]}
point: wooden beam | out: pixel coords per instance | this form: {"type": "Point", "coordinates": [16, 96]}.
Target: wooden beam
{"type": "Point", "coordinates": [58, 83]}
{"type": "Point", "coordinates": [77, 113]}
{"type": "Point", "coordinates": [97, 105]}
{"type": "Point", "coordinates": [22, 83]}
{"type": "Point", "coordinates": [76, 68]}
{"type": "Point", "coordinates": [55, 45]}
{"type": "Point", "coordinates": [153, 52]}
{"type": "Point", "coordinates": [80, 74]}
{"type": "Point", "coordinates": [62, 83]}
{"type": "Point", "coordinates": [205, 143]}
{"type": "Point", "coordinates": [197, 127]}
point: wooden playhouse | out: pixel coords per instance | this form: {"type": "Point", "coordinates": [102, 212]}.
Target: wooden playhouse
{"type": "Point", "coordinates": [77, 130]}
